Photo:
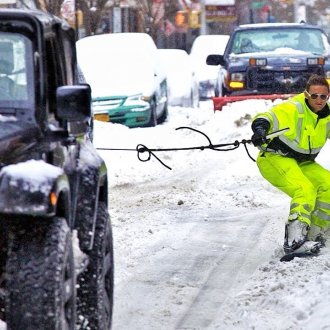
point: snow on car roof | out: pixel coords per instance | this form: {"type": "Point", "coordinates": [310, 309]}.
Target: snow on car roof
{"type": "Point", "coordinates": [124, 39]}
{"type": "Point", "coordinates": [119, 61]}
{"type": "Point", "coordinates": [277, 25]}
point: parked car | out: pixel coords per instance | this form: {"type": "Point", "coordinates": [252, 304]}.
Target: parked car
{"type": "Point", "coordinates": [206, 75]}
{"type": "Point", "coordinates": [182, 85]}
{"type": "Point", "coordinates": [128, 83]}
{"type": "Point", "coordinates": [271, 58]}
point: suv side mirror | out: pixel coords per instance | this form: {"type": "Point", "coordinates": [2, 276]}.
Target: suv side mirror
{"type": "Point", "coordinates": [74, 103]}
{"type": "Point", "coordinates": [215, 60]}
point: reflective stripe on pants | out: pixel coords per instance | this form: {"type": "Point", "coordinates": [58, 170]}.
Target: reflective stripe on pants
{"type": "Point", "coordinates": [307, 183]}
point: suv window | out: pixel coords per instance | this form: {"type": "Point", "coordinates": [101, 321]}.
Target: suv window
{"type": "Point", "coordinates": [16, 74]}
{"type": "Point", "coordinates": [68, 56]}
{"type": "Point", "coordinates": [268, 40]}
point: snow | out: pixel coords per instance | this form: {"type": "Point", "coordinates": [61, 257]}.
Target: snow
{"type": "Point", "coordinates": [203, 46]}
{"type": "Point", "coordinates": [35, 170]}
{"type": "Point", "coordinates": [182, 84]}
{"type": "Point", "coordinates": [7, 118]}
{"type": "Point", "coordinates": [37, 175]}
{"type": "Point", "coordinates": [198, 246]}
{"type": "Point", "coordinates": [279, 51]}
{"type": "Point", "coordinates": [115, 68]}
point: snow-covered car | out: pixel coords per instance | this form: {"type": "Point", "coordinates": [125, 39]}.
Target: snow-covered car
{"type": "Point", "coordinates": [206, 75]}
{"type": "Point", "coordinates": [271, 58]}
{"type": "Point", "coordinates": [128, 83]}
{"type": "Point", "coordinates": [182, 85]}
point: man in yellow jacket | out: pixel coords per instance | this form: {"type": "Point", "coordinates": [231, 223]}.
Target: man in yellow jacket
{"type": "Point", "coordinates": [288, 162]}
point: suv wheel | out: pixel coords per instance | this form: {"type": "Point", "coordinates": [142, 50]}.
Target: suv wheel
{"type": "Point", "coordinates": [41, 276]}
{"type": "Point", "coordinates": [95, 284]}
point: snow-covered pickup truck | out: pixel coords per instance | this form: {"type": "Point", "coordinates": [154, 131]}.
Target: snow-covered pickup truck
{"type": "Point", "coordinates": [56, 253]}
{"type": "Point", "coordinates": [270, 60]}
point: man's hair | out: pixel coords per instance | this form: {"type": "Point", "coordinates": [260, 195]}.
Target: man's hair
{"type": "Point", "coordinates": [316, 80]}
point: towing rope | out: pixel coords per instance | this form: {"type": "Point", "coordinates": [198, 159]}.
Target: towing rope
{"type": "Point", "coordinates": [141, 148]}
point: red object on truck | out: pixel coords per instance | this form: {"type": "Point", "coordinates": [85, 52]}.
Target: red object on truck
{"type": "Point", "coordinates": [219, 102]}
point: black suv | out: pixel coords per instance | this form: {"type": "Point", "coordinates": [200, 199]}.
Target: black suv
{"type": "Point", "coordinates": [271, 58]}
{"type": "Point", "coordinates": [56, 253]}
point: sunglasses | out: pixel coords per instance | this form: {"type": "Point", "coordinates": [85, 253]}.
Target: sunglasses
{"type": "Point", "coordinates": [315, 96]}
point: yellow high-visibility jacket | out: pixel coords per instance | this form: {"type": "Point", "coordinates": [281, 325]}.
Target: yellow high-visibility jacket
{"type": "Point", "coordinates": [307, 132]}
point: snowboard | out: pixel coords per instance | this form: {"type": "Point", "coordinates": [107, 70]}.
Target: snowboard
{"type": "Point", "coordinates": [308, 249]}
{"type": "Point", "coordinates": [292, 255]}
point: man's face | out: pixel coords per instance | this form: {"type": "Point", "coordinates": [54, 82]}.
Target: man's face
{"type": "Point", "coordinates": [317, 97]}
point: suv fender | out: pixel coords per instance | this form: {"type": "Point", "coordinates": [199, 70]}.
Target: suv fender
{"type": "Point", "coordinates": [25, 193]}
{"type": "Point", "coordinates": [93, 188]}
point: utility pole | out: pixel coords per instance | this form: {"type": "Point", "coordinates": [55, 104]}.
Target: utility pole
{"type": "Point", "coordinates": [203, 28]}
{"type": "Point", "coordinates": [299, 11]}
{"type": "Point", "coordinates": [116, 14]}
{"type": "Point", "coordinates": [76, 23]}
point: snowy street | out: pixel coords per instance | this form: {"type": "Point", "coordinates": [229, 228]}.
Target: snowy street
{"type": "Point", "coordinates": [198, 246]}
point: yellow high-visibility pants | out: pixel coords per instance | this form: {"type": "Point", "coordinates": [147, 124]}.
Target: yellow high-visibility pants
{"type": "Point", "coordinates": [307, 183]}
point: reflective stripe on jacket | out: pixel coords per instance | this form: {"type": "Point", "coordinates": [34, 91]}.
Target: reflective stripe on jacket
{"type": "Point", "coordinates": [307, 131]}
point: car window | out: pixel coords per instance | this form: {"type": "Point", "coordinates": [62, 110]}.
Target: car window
{"type": "Point", "coordinates": [269, 40]}
{"type": "Point", "coordinates": [15, 69]}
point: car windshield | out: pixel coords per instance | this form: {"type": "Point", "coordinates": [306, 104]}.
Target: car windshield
{"type": "Point", "coordinates": [16, 80]}
{"type": "Point", "coordinates": [279, 40]}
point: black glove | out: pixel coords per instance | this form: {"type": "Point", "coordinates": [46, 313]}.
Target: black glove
{"type": "Point", "coordinates": [260, 127]}
{"type": "Point", "coordinates": [259, 137]}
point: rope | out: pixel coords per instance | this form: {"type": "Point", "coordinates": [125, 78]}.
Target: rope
{"type": "Point", "coordinates": [141, 148]}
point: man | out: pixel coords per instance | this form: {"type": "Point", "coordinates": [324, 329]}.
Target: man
{"type": "Point", "coordinates": [288, 162]}
{"type": "Point", "coordinates": [304, 42]}
{"type": "Point", "coordinates": [247, 46]}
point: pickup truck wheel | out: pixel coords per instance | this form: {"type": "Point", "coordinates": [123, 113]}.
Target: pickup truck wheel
{"type": "Point", "coordinates": [41, 276]}
{"type": "Point", "coordinates": [95, 284]}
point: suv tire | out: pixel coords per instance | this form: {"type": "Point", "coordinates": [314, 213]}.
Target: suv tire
{"type": "Point", "coordinates": [95, 284]}
{"type": "Point", "coordinates": [41, 276]}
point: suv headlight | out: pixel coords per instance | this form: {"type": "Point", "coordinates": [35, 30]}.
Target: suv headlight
{"type": "Point", "coordinates": [237, 80]}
